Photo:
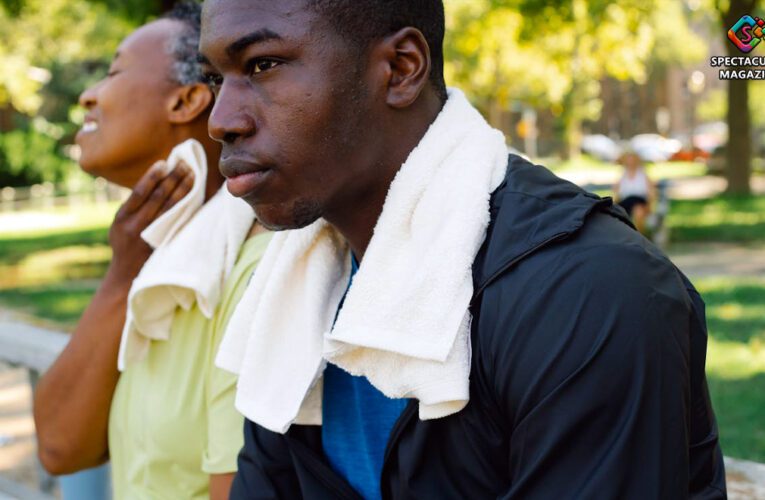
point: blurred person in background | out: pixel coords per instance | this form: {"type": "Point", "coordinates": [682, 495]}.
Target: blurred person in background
{"type": "Point", "coordinates": [635, 192]}
{"type": "Point", "coordinates": [167, 422]}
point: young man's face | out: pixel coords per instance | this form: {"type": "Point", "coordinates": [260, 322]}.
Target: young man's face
{"type": "Point", "coordinates": [290, 111]}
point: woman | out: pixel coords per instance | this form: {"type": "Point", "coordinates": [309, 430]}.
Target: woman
{"type": "Point", "coordinates": [635, 192]}
{"type": "Point", "coordinates": [168, 422]}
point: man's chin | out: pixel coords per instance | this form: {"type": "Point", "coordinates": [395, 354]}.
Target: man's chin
{"type": "Point", "coordinates": [282, 218]}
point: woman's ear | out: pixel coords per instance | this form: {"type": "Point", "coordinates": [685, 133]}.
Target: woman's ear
{"type": "Point", "coordinates": [188, 102]}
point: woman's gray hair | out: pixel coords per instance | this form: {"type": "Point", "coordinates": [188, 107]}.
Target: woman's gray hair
{"type": "Point", "coordinates": [184, 48]}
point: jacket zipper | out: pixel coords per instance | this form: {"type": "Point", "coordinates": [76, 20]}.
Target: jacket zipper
{"type": "Point", "coordinates": [395, 435]}
{"type": "Point", "coordinates": [325, 474]}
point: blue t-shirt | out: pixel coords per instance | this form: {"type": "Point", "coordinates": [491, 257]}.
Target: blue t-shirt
{"type": "Point", "coordinates": [356, 424]}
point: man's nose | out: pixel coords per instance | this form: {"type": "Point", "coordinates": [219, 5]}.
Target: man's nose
{"type": "Point", "coordinates": [230, 118]}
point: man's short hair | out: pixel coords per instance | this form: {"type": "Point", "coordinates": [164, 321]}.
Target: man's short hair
{"type": "Point", "coordinates": [363, 21]}
{"type": "Point", "coordinates": [184, 48]}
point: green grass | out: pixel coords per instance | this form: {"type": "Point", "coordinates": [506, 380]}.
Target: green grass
{"type": "Point", "coordinates": [52, 260]}
{"type": "Point", "coordinates": [54, 220]}
{"type": "Point", "coordinates": [735, 219]}
{"type": "Point", "coordinates": [736, 362]}
{"type": "Point", "coordinates": [15, 249]}
{"type": "Point", "coordinates": [59, 304]}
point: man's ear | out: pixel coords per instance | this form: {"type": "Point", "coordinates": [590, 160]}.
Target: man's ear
{"type": "Point", "coordinates": [404, 59]}
{"type": "Point", "coordinates": [188, 102]}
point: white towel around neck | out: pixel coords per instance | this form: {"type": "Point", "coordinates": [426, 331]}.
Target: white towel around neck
{"type": "Point", "coordinates": [405, 323]}
{"type": "Point", "coordinates": [196, 245]}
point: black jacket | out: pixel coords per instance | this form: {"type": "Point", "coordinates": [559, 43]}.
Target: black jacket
{"type": "Point", "coordinates": [587, 377]}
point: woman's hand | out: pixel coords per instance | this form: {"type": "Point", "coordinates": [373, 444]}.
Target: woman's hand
{"type": "Point", "coordinates": [154, 194]}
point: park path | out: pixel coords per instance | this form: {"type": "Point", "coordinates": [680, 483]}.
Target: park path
{"type": "Point", "coordinates": [18, 463]}
{"type": "Point", "coordinates": [17, 431]}
{"type": "Point", "coordinates": [702, 260]}
{"type": "Point", "coordinates": [684, 188]}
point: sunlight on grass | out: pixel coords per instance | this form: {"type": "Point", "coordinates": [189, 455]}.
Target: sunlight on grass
{"type": "Point", "coordinates": [736, 321]}
{"type": "Point", "coordinates": [60, 305]}
{"type": "Point", "coordinates": [676, 170]}
{"type": "Point", "coordinates": [56, 219]}
{"type": "Point", "coordinates": [723, 218]}
{"type": "Point", "coordinates": [52, 260]}
{"type": "Point", "coordinates": [656, 171]}
{"type": "Point", "coordinates": [736, 361]}
{"type": "Point", "coordinates": [52, 266]}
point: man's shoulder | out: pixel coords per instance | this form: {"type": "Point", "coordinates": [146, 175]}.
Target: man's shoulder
{"type": "Point", "coordinates": [592, 280]}
{"type": "Point", "coordinates": [536, 216]}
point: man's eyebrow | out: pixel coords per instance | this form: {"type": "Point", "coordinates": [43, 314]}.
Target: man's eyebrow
{"type": "Point", "coordinates": [258, 36]}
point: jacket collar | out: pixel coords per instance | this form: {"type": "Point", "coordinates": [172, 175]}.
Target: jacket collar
{"type": "Point", "coordinates": [530, 210]}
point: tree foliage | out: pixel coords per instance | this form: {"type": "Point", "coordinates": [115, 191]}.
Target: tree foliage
{"type": "Point", "coordinates": [50, 50]}
{"type": "Point", "coordinates": [555, 56]}
{"type": "Point", "coordinates": [45, 33]}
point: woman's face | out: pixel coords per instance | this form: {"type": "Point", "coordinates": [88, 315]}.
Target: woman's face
{"type": "Point", "coordinates": [631, 161]}
{"type": "Point", "coordinates": [126, 128]}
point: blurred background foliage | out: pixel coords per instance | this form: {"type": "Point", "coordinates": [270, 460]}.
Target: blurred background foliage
{"type": "Point", "coordinates": [555, 58]}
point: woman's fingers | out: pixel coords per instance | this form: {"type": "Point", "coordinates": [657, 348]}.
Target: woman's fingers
{"type": "Point", "coordinates": [173, 187]}
{"type": "Point", "coordinates": [181, 190]}
{"type": "Point", "coordinates": [143, 189]}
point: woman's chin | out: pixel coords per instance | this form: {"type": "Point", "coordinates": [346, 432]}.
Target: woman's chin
{"type": "Point", "coordinates": [97, 169]}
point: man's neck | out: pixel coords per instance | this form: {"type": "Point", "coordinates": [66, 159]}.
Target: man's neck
{"type": "Point", "coordinates": [357, 217]}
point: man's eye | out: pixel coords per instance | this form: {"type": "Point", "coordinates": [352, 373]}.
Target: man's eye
{"type": "Point", "coordinates": [260, 65]}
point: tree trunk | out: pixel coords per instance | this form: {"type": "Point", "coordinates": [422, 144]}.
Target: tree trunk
{"type": "Point", "coordinates": [738, 169]}
{"type": "Point", "coordinates": [739, 150]}
{"type": "Point", "coordinates": [6, 118]}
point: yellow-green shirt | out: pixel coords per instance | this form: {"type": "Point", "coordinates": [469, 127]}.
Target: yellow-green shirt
{"type": "Point", "coordinates": [172, 420]}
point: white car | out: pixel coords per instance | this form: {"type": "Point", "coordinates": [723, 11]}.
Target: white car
{"type": "Point", "coordinates": [654, 147]}
{"type": "Point", "coordinates": [601, 147]}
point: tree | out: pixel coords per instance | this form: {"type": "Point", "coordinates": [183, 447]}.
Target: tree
{"type": "Point", "coordinates": [43, 34]}
{"type": "Point", "coordinates": [48, 51]}
{"type": "Point", "coordinates": [739, 149]}
{"type": "Point", "coordinates": [555, 57]}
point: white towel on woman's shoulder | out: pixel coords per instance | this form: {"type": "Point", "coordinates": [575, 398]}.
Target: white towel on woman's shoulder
{"type": "Point", "coordinates": [405, 323]}
{"type": "Point", "coordinates": [196, 246]}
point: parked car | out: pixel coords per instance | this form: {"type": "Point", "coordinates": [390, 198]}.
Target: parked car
{"type": "Point", "coordinates": [654, 147]}
{"type": "Point", "coordinates": [601, 147]}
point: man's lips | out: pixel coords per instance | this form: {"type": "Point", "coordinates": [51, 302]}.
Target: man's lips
{"type": "Point", "coordinates": [243, 177]}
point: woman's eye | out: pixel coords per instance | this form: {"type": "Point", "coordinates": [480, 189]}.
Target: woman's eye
{"type": "Point", "coordinates": [212, 80]}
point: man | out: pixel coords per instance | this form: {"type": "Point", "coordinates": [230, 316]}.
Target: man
{"type": "Point", "coordinates": [585, 345]}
